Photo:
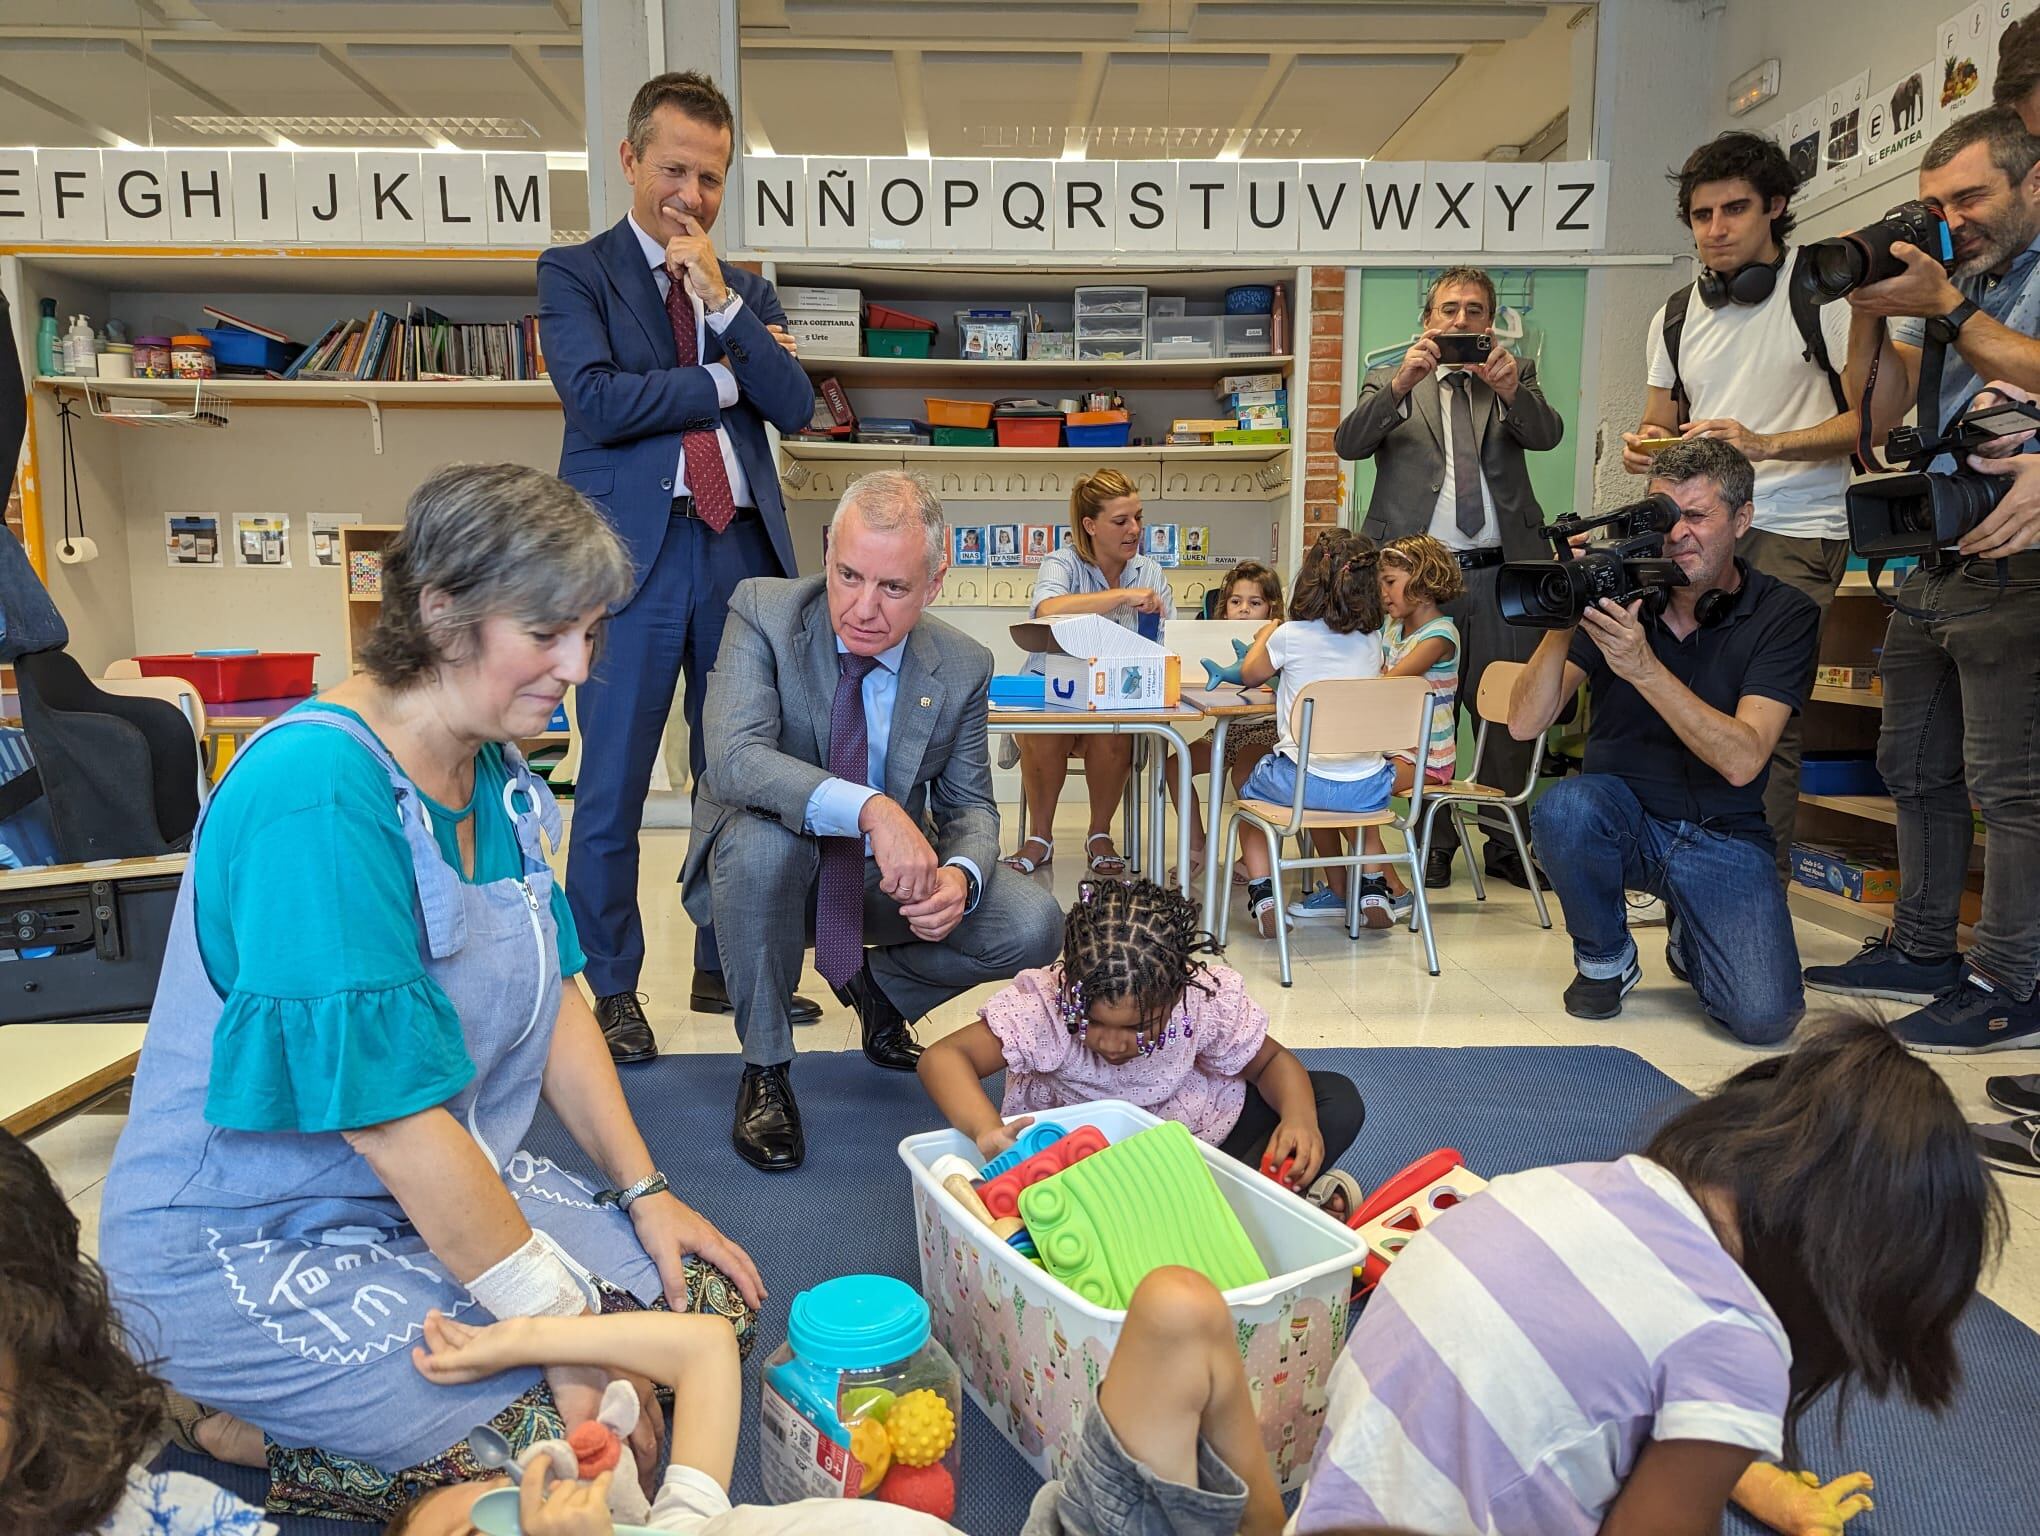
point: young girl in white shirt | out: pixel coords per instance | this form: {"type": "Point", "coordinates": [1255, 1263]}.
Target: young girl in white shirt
{"type": "Point", "coordinates": [1333, 631]}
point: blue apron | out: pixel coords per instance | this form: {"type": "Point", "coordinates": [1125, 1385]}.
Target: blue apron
{"type": "Point", "coordinates": [272, 1273]}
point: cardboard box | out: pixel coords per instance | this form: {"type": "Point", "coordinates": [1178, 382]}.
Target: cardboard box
{"type": "Point", "coordinates": [1858, 874]}
{"type": "Point", "coordinates": [1864, 677]}
{"type": "Point", "coordinates": [821, 334]}
{"type": "Point", "coordinates": [1092, 663]}
{"type": "Point", "coordinates": [841, 301]}
{"type": "Point", "coordinates": [1236, 383]}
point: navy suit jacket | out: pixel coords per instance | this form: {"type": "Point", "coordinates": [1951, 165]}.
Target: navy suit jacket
{"type": "Point", "coordinates": [609, 348]}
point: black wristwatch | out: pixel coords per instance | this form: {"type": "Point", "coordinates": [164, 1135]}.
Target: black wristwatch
{"type": "Point", "coordinates": [1943, 329]}
{"type": "Point", "coordinates": [970, 887]}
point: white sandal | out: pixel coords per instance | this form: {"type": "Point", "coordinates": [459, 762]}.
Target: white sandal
{"type": "Point", "coordinates": [1107, 865]}
{"type": "Point", "coordinates": [1026, 866]}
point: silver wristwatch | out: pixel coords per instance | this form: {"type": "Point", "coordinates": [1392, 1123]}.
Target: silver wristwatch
{"type": "Point", "coordinates": [653, 1183]}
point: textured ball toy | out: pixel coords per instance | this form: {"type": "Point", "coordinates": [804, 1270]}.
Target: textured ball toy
{"type": "Point", "coordinates": [929, 1489]}
{"type": "Point", "coordinates": [866, 1403]}
{"type": "Point", "coordinates": [921, 1427]}
{"type": "Point", "coordinates": [873, 1450]}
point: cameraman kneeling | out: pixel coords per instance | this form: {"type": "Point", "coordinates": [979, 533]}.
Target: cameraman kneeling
{"type": "Point", "coordinates": [1687, 706]}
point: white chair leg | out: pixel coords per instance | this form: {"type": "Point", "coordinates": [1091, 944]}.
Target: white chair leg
{"type": "Point", "coordinates": [1523, 852]}
{"type": "Point", "coordinates": [1281, 911]}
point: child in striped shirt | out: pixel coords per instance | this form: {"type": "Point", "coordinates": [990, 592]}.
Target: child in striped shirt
{"type": "Point", "coordinates": [1623, 1347]}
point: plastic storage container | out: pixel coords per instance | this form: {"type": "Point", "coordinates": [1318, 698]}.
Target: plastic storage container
{"type": "Point", "coordinates": [227, 677]}
{"type": "Point", "coordinates": [861, 1401]}
{"type": "Point", "coordinates": [191, 357]}
{"type": "Point", "coordinates": [1248, 336]}
{"type": "Point", "coordinates": [883, 317]}
{"type": "Point", "coordinates": [964, 437]}
{"type": "Point", "coordinates": [1032, 1350]}
{"type": "Point", "coordinates": [890, 343]}
{"type": "Point", "coordinates": [1841, 773]}
{"type": "Point", "coordinates": [1182, 336]}
{"type": "Point", "coordinates": [235, 348]}
{"type": "Point", "coordinates": [1111, 324]}
{"type": "Point", "coordinates": [958, 413]}
{"type": "Point", "coordinates": [1098, 429]}
{"type": "Point", "coordinates": [152, 357]}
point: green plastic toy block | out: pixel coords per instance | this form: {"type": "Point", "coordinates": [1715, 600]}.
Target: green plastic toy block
{"type": "Point", "coordinates": [1102, 1224]}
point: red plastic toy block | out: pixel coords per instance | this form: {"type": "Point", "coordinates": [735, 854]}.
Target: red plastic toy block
{"type": "Point", "coordinates": [1002, 1195]}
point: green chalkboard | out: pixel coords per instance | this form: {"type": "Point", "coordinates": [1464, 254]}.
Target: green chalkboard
{"type": "Point", "coordinates": [1554, 306]}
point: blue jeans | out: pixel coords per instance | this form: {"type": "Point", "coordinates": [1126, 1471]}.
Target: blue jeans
{"type": "Point", "coordinates": [1734, 933]}
{"type": "Point", "coordinates": [1274, 779]}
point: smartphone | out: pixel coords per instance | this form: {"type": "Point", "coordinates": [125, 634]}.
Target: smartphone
{"type": "Point", "coordinates": [1464, 347]}
{"type": "Point", "coordinates": [1655, 445]}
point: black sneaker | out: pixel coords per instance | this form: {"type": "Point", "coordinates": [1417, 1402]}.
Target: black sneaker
{"type": "Point", "coordinates": [2014, 1095]}
{"type": "Point", "coordinates": [1974, 1016]}
{"type": "Point", "coordinates": [2010, 1148]}
{"type": "Point", "coordinates": [1601, 998]}
{"type": "Point", "coordinates": [1882, 969]}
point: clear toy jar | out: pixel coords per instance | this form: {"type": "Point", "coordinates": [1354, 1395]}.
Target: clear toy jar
{"type": "Point", "coordinates": [861, 1401]}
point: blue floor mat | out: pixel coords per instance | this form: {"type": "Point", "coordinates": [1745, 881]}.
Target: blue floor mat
{"type": "Point", "coordinates": [1505, 1108]}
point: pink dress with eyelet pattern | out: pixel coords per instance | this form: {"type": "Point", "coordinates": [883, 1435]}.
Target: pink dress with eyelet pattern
{"type": "Point", "coordinates": [1193, 1078]}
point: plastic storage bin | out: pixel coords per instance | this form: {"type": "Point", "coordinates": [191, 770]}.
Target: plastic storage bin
{"type": "Point", "coordinates": [1841, 773]}
{"type": "Point", "coordinates": [1185, 336]}
{"type": "Point", "coordinates": [964, 437]}
{"type": "Point", "coordinates": [888, 343]}
{"type": "Point", "coordinates": [236, 348]}
{"type": "Point", "coordinates": [861, 1402]}
{"type": "Point", "coordinates": [883, 317]}
{"type": "Point", "coordinates": [958, 413]}
{"type": "Point", "coordinates": [1032, 1350]}
{"type": "Point", "coordinates": [1098, 429]}
{"type": "Point", "coordinates": [1248, 336]}
{"type": "Point", "coordinates": [226, 678]}
{"type": "Point", "coordinates": [1029, 431]}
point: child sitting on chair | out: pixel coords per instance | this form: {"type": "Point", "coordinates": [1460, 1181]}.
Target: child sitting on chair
{"type": "Point", "coordinates": [1174, 1447]}
{"type": "Point", "coordinates": [1418, 576]}
{"type": "Point", "coordinates": [1625, 1347]}
{"type": "Point", "coordinates": [1131, 1013]}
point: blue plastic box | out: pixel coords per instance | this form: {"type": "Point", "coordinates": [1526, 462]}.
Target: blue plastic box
{"type": "Point", "coordinates": [1840, 774]}
{"type": "Point", "coordinates": [1022, 690]}
{"type": "Point", "coordinates": [233, 347]}
{"type": "Point", "coordinates": [1114, 434]}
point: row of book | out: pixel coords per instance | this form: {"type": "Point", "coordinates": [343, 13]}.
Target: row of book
{"type": "Point", "coordinates": [422, 344]}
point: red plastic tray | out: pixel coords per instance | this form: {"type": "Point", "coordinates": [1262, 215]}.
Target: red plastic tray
{"type": "Point", "coordinates": [1029, 431]}
{"type": "Point", "coordinates": [229, 679]}
{"type": "Point", "coordinates": [882, 318]}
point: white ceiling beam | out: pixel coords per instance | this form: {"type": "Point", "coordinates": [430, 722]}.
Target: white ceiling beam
{"type": "Point", "coordinates": [1085, 92]}
{"type": "Point", "coordinates": [913, 101]}
{"type": "Point", "coordinates": [1278, 68]}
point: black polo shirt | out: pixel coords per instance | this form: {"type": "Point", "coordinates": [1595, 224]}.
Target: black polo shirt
{"type": "Point", "coordinates": [1765, 646]}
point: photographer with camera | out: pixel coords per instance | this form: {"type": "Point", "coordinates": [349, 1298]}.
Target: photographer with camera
{"type": "Point", "coordinates": [1747, 355]}
{"type": "Point", "coordinates": [1961, 662]}
{"type": "Point", "coordinates": [1448, 426]}
{"type": "Point", "coordinates": [1696, 661]}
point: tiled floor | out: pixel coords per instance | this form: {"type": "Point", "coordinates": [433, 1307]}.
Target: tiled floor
{"type": "Point", "coordinates": [1501, 976]}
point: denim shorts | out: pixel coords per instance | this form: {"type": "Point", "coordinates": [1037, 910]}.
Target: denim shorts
{"type": "Point", "coordinates": [1274, 778]}
{"type": "Point", "coordinates": [1107, 1493]}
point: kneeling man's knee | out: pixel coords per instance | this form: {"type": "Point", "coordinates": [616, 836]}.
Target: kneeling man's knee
{"type": "Point", "coordinates": [1027, 925]}
{"type": "Point", "coordinates": [1570, 809]}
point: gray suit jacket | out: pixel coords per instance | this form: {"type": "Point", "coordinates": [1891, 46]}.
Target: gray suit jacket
{"type": "Point", "coordinates": [1409, 455]}
{"type": "Point", "coordinates": [766, 727]}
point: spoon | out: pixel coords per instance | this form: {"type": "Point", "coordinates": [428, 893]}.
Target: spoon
{"type": "Point", "coordinates": [493, 1452]}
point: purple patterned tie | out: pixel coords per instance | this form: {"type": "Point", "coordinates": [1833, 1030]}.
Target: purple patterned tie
{"type": "Point", "coordinates": [839, 899]}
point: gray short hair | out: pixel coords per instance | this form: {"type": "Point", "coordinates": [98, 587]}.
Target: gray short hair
{"type": "Point", "coordinates": [891, 499]}
{"type": "Point", "coordinates": [2012, 149]}
{"type": "Point", "coordinates": [498, 539]}
{"type": "Point", "coordinates": [1709, 458]}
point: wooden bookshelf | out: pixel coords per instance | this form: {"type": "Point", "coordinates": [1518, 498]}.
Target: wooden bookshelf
{"type": "Point", "coordinates": [363, 608]}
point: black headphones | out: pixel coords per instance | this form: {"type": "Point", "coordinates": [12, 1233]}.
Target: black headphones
{"type": "Point", "coordinates": [1714, 607]}
{"type": "Point", "coordinates": [1746, 285]}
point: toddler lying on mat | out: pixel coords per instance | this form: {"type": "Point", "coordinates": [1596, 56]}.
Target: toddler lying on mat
{"type": "Point", "coordinates": [1174, 1449]}
{"type": "Point", "coordinates": [1131, 1013]}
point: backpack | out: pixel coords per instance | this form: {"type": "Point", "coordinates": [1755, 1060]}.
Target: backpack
{"type": "Point", "coordinates": [1805, 315]}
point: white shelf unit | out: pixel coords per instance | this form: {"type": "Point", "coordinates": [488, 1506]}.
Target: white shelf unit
{"type": "Point", "coordinates": [1249, 495]}
{"type": "Point", "coordinates": [351, 452]}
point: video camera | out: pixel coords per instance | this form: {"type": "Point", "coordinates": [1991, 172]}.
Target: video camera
{"type": "Point", "coordinates": [1625, 567]}
{"type": "Point", "coordinates": [1836, 267]}
{"type": "Point", "coordinates": [1916, 513]}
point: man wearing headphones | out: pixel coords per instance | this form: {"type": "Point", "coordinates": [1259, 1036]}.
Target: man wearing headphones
{"type": "Point", "coordinates": [1688, 705]}
{"type": "Point", "coordinates": [1738, 356]}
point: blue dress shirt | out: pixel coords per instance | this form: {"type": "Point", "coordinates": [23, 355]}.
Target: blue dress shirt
{"type": "Point", "coordinates": [836, 804]}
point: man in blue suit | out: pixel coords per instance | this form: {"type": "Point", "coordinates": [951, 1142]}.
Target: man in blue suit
{"type": "Point", "coordinates": [669, 362]}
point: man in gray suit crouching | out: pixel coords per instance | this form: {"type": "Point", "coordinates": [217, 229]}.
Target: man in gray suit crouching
{"type": "Point", "coordinates": [847, 802]}
{"type": "Point", "coordinates": [1448, 436]}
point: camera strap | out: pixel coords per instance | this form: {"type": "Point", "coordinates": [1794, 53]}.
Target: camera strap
{"type": "Point", "coordinates": [1890, 600]}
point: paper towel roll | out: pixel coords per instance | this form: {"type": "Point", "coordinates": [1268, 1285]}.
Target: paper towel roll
{"type": "Point", "coordinates": [76, 551]}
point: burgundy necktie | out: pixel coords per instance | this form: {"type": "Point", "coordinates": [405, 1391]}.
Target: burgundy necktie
{"type": "Point", "coordinates": [839, 898]}
{"type": "Point", "coordinates": [708, 479]}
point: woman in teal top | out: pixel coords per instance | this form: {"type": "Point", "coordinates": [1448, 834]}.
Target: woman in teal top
{"type": "Point", "coordinates": [368, 987]}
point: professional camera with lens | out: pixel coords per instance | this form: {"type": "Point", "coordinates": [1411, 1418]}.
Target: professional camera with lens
{"type": "Point", "coordinates": [1834, 268]}
{"type": "Point", "coordinates": [1918, 514]}
{"type": "Point", "coordinates": [1626, 566]}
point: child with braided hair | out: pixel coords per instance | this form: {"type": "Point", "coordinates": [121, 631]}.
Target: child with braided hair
{"type": "Point", "coordinates": [1130, 1012]}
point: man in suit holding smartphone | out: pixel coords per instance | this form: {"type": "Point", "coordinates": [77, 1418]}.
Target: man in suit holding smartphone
{"type": "Point", "coordinates": [668, 362]}
{"type": "Point", "coordinates": [1448, 426]}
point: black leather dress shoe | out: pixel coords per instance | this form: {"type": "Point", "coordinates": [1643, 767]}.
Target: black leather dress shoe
{"type": "Point", "coordinates": [1438, 869]}
{"type": "Point", "coordinates": [626, 1028]}
{"type": "Point", "coordinates": [709, 995]}
{"type": "Point", "coordinates": [888, 1039]}
{"type": "Point", "coordinates": [1509, 866]}
{"type": "Point", "coordinates": [767, 1133]}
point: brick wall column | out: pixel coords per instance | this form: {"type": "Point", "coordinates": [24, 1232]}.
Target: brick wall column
{"type": "Point", "coordinates": [1323, 505]}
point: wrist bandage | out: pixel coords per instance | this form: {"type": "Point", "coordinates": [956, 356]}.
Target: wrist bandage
{"type": "Point", "coordinates": [537, 1280]}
